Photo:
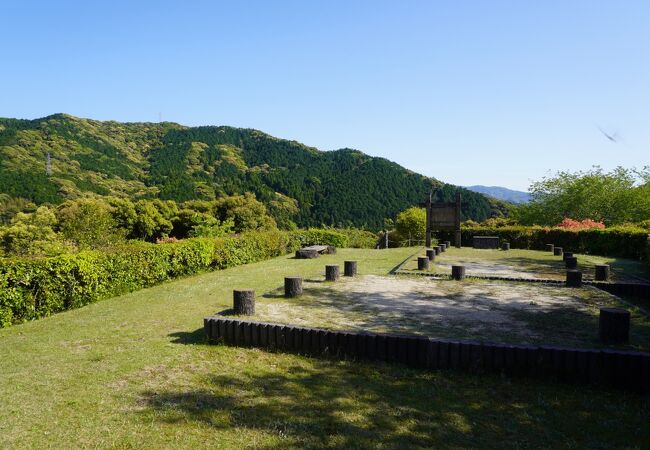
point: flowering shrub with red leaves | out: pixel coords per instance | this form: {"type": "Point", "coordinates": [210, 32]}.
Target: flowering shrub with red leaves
{"type": "Point", "coordinates": [587, 224]}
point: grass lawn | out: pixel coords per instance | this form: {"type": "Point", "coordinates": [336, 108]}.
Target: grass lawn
{"type": "Point", "coordinates": [517, 263]}
{"type": "Point", "coordinates": [134, 372]}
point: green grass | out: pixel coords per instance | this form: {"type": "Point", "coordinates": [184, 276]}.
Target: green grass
{"type": "Point", "coordinates": [524, 263]}
{"type": "Point", "coordinates": [134, 372]}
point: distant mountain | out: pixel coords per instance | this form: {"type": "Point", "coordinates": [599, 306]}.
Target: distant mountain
{"type": "Point", "coordinates": [501, 193]}
{"type": "Point", "coordinates": [58, 157]}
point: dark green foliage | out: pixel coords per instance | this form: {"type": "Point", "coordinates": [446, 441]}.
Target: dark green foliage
{"type": "Point", "coordinates": [298, 184]}
{"type": "Point", "coordinates": [624, 242]}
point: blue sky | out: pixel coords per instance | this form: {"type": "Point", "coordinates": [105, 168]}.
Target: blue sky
{"type": "Point", "coordinates": [470, 92]}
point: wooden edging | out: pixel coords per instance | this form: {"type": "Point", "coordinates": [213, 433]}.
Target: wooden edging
{"type": "Point", "coordinates": [612, 368]}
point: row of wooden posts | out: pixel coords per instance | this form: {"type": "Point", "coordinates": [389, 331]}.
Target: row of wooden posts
{"type": "Point", "coordinates": [244, 299]}
{"type": "Point", "coordinates": [614, 323]}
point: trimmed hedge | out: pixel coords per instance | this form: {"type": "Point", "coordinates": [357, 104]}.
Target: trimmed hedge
{"type": "Point", "coordinates": [38, 287]}
{"type": "Point", "coordinates": [624, 242]}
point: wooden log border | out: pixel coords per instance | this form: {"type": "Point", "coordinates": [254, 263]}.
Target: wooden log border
{"type": "Point", "coordinates": [610, 368]}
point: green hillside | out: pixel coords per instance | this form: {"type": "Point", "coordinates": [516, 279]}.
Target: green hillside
{"type": "Point", "coordinates": [170, 161]}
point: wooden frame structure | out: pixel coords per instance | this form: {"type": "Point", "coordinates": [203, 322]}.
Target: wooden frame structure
{"type": "Point", "coordinates": [443, 217]}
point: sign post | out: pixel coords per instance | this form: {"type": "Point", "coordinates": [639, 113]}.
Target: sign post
{"type": "Point", "coordinates": [443, 217]}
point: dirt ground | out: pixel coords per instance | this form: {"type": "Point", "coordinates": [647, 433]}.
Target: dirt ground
{"type": "Point", "coordinates": [480, 310]}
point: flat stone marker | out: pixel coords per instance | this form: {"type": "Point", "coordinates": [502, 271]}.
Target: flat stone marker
{"type": "Point", "coordinates": [458, 272]}
{"type": "Point", "coordinates": [550, 247]}
{"type": "Point", "coordinates": [292, 287]}
{"type": "Point", "coordinates": [485, 242]}
{"type": "Point", "coordinates": [431, 254]}
{"type": "Point", "coordinates": [614, 326]}
{"type": "Point", "coordinates": [573, 278]}
{"type": "Point", "coordinates": [332, 272]}
{"type": "Point", "coordinates": [557, 251]}
{"type": "Point", "coordinates": [602, 272]}
{"type": "Point", "coordinates": [243, 302]}
{"type": "Point", "coordinates": [423, 262]}
{"type": "Point", "coordinates": [350, 268]}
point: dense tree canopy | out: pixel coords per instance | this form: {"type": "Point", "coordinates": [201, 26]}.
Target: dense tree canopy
{"type": "Point", "coordinates": [619, 196]}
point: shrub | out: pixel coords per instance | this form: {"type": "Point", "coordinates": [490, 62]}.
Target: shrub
{"type": "Point", "coordinates": [31, 288]}
{"type": "Point", "coordinates": [620, 241]}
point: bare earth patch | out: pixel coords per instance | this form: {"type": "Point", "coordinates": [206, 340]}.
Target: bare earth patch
{"type": "Point", "coordinates": [479, 310]}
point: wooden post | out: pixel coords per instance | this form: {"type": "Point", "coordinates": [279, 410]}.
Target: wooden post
{"type": "Point", "coordinates": [244, 301]}
{"type": "Point", "coordinates": [505, 246]}
{"type": "Point", "coordinates": [436, 249]}
{"type": "Point", "coordinates": [350, 268]}
{"type": "Point", "coordinates": [331, 272]}
{"type": "Point", "coordinates": [292, 287]}
{"type": "Point", "coordinates": [457, 272]}
{"type": "Point", "coordinates": [443, 247]}
{"type": "Point", "coordinates": [573, 278]}
{"type": "Point", "coordinates": [614, 326]}
{"type": "Point", "coordinates": [557, 251]}
{"type": "Point", "coordinates": [566, 255]}
{"type": "Point", "coordinates": [423, 262]}
{"type": "Point", "coordinates": [428, 213]}
{"type": "Point", "coordinates": [602, 272]}
{"type": "Point", "coordinates": [431, 254]}
{"type": "Point", "coordinates": [550, 248]}
{"type": "Point", "coordinates": [571, 262]}
{"type": "Point", "coordinates": [457, 224]}
{"type": "Point", "coordinates": [448, 244]}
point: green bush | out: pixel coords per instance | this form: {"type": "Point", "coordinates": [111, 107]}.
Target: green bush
{"type": "Point", "coordinates": [31, 288]}
{"type": "Point", "coordinates": [624, 242]}
{"type": "Point", "coordinates": [359, 238]}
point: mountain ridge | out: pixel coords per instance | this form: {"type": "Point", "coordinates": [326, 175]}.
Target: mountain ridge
{"type": "Point", "coordinates": [502, 193]}
{"type": "Point", "coordinates": [174, 162]}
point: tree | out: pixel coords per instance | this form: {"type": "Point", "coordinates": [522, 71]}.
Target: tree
{"type": "Point", "coordinates": [32, 234]}
{"type": "Point", "coordinates": [246, 211]}
{"type": "Point", "coordinates": [619, 196]}
{"type": "Point", "coordinates": [88, 223]}
{"type": "Point", "coordinates": [411, 223]}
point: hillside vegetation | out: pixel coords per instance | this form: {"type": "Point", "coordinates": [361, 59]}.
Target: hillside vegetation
{"type": "Point", "coordinates": [172, 162]}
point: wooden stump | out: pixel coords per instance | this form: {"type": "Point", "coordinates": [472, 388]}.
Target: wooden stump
{"type": "Point", "coordinates": [350, 268]}
{"type": "Point", "coordinates": [332, 272]}
{"type": "Point", "coordinates": [571, 262]}
{"type": "Point", "coordinates": [602, 272]}
{"type": "Point", "coordinates": [448, 244]}
{"type": "Point", "coordinates": [243, 302]}
{"type": "Point", "coordinates": [423, 262]}
{"type": "Point", "coordinates": [566, 255]}
{"type": "Point", "coordinates": [436, 249]}
{"type": "Point", "coordinates": [505, 246]}
{"type": "Point", "coordinates": [550, 247]}
{"type": "Point", "coordinates": [431, 254]}
{"type": "Point", "coordinates": [557, 251]}
{"type": "Point", "coordinates": [443, 247]}
{"type": "Point", "coordinates": [457, 272]}
{"type": "Point", "coordinates": [292, 286]}
{"type": "Point", "coordinates": [573, 278]}
{"type": "Point", "coordinates": [331, 250]}
{"type": "Point", "coordinates": [614, 326]}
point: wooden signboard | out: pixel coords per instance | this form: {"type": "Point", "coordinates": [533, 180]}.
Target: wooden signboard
{"type": "Point", "coordinates": [443, 217]}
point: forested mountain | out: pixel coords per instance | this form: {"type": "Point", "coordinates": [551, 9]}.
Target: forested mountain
{"type": "Point", "coordinates": [58, 157]}
{"type": "Point", "coordinates": [502, 193]}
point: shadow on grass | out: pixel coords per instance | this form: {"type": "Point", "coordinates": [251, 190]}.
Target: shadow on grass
{"type": "Point", "coordinates": [344, 405]}
{"type": "Point", "coordinates": [189, 338]}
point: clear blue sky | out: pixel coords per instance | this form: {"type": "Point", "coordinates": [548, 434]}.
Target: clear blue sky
{"type": "Point", "coordinates": [470, 92]}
